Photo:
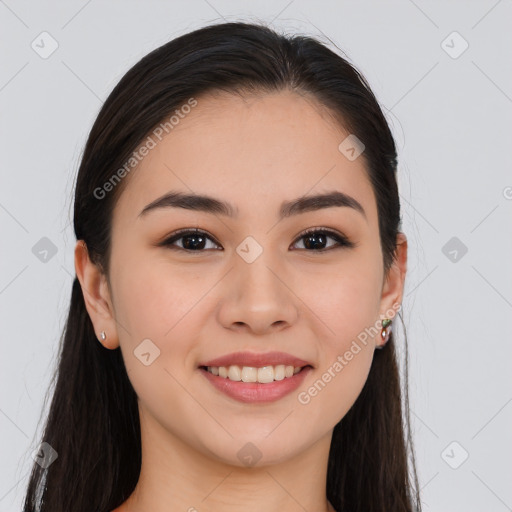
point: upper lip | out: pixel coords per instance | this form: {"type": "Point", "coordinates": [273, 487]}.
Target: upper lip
{"type": "Point", "coordinates": [255, 359]}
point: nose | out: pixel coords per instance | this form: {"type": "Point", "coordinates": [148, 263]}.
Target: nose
{"type": "Point", "coordinates": [258, 297]}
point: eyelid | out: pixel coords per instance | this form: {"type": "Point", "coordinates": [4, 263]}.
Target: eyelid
{"type": "Point", "coordinates": [341, 239]}
{"type": "Point", "coordinates": [176, 235]}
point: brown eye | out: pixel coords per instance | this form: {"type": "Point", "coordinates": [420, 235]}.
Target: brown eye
{"type": "Point", "coordinates": [193, 240]}
{"type": "Point", "coordinates": [196, 240]}
{"type": "Point", "coordinates": [316, 238]}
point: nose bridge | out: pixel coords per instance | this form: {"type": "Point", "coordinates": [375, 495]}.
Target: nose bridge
{"type": "Point", "coordinates": [259, 270]}
{"type": "Point", "coordinates": [256, 293]}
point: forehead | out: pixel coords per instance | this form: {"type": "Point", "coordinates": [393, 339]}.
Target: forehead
{"type": "Point", "coordinates": [252, 151]}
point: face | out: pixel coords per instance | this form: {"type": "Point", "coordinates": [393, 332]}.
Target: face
{"type": "Point", "coordinates": [249, 282]}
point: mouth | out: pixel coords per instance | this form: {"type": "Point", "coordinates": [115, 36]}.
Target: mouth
{"type": "Point", "coordinates": [261, 375]}
{"type": "Point", "coordinates": [256, 377]}
{"type": "Point", "coordinates": [255, 385]}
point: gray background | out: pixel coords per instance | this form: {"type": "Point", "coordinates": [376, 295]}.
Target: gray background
{"type": "Point", "coordinates": [451, 114]}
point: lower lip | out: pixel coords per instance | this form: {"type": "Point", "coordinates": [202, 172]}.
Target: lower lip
{"type": "Point", "coordinates": [256, 392]}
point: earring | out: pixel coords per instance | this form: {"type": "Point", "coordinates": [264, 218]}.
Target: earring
{"type": "Point", "coordinates": [386, 330]}
{"type": "Point", "coordinates": [103, 335]}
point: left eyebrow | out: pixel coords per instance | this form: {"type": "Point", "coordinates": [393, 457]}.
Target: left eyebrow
{"type": "Point", "coordinates": [208, 204]}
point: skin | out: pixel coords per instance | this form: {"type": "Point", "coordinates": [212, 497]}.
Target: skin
{"type": "Point", "coordinates": [254, 153]}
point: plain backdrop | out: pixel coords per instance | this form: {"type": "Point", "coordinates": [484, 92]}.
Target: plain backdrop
{"type": "Point", "coordinates": [442, 73]}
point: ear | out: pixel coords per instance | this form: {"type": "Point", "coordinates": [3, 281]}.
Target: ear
{"type": "Point", "coordinates": [393, 287]}
{"type": "Point", "coordinates": [96, 296]}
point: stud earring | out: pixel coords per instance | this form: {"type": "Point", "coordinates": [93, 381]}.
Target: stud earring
{"type": "Point", "coordinates": [386, 330]}
{"type": "Point", "coordinates": [103, 335]}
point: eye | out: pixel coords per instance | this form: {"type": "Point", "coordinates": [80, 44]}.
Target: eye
{"type": "Point", "coordinates": [316, 237]}
{"type": "Point", "coordinates": [195, 240]}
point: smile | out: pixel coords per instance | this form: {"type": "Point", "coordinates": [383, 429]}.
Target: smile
{"type": "Point", "coordinates": [263, 375]}
{"type": "Point", "coordinates": [275, 385]}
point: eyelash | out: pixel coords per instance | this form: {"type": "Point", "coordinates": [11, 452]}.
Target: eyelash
{"type": "Point", "coordinates": [341, 240]}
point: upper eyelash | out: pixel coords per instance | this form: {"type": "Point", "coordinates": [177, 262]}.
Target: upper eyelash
{"type": "Point", "coordinates": [340, 239]}
{"type": "Point", "coordinates": [182, 232]}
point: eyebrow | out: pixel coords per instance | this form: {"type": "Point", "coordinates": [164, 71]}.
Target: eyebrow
{"type": "Point", "coordinates": [208, 204]}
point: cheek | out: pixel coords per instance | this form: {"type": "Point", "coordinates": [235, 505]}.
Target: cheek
{"type": "Point", "coordinates": [153, 297]}
{"type": "Point", "coordinates": [346, 303]}
{"type": "Point", "coordinates": [157, 303]}
{"type": "Point", "coordinates": [160, 303]}
{"type": "Point", "coordinates": [347, 308]}
{"type": "Point", "coordinates": [346, 300]}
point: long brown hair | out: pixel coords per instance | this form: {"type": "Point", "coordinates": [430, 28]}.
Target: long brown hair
{"type": "Point", "coordinates": [93, 421]}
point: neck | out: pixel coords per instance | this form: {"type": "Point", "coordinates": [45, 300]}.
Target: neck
{"type": "Point", "coordinates": [177, 477]}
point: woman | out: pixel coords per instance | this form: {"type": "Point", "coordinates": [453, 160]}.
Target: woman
{"type": "Point", "coordinates": [238, 262]}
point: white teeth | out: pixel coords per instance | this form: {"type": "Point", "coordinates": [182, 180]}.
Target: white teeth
{"type": "Point", "coordinates": [249, 374]}
{"type": "Point", "coordinates": [234, 373]}
{"type": "Point", "coordinates": [263, 375]}
{"type": "Point", "coordinates": [279, 372]}
{"type": "Point", "coordinates": [266, 374]}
